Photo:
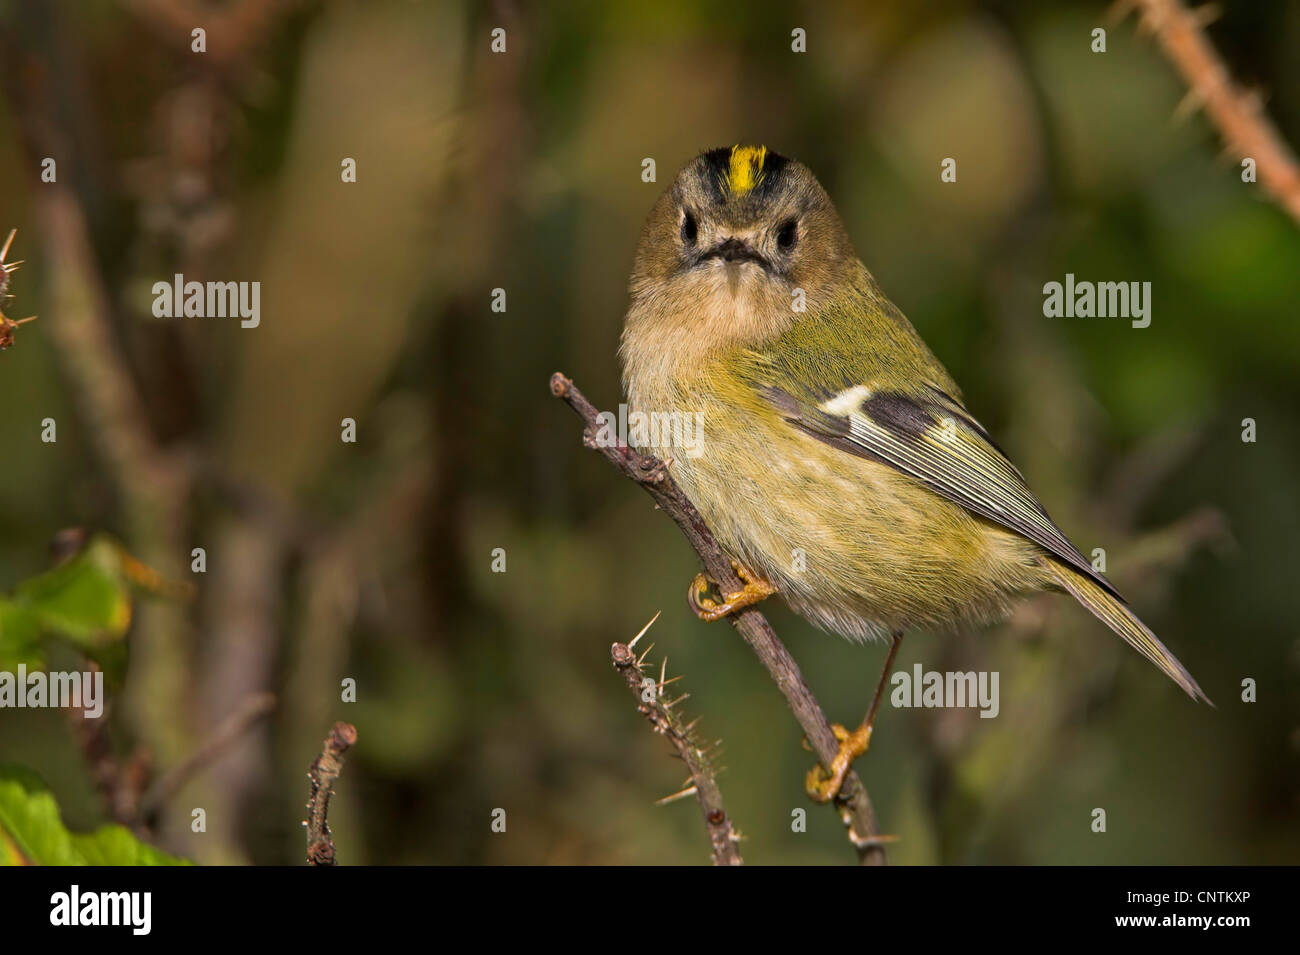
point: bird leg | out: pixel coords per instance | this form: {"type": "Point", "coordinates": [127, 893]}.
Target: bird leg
{"type": "Point", "coordinates": [823, 786]}
{"type": "Point", "coordinates": [707, 609]}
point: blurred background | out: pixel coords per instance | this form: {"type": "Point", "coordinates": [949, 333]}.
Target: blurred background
{"type": "Point", "coordinates": [373, 560]}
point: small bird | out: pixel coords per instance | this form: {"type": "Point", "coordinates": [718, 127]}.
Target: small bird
{"type": "Point", "coordinates": [839, 466]}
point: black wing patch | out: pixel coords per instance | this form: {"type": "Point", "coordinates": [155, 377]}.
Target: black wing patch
{"type": "Point", "coordinates": [939, 444]}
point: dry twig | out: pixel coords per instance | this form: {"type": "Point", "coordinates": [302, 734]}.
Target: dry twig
{"type": "Point", "coordinates": [323, 773]}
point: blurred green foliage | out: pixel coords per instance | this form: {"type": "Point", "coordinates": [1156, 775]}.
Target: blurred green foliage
{"type": "Point", "coordinates": [85, 600]}
{"type": "Point", "coordinates": [31, 832]}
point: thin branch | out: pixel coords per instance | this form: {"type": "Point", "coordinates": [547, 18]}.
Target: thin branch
{"type": "Point", "coordinates": [1238, 115]}
{"type": "Point", "coordinates": [722, 836]}
{"type": "Point", "coordinates": [118, 783]}
{"type": "Point", "coordinates": [254, 708]}
{"type": "Point", "coordinates": [652, 474]}
{"type": "Point", "coordinates": [323, 773]}
{"type": "Point", "coordinates": [91, 737]}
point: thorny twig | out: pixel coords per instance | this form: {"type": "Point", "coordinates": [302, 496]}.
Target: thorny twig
{"type": "Point", "coordinates": [1238, 115]}
{"type": "Point", "coordinates": [662, 715]}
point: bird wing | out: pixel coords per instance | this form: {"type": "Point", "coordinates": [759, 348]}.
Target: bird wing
{"type": "Point", "coordinates": [930, 436]}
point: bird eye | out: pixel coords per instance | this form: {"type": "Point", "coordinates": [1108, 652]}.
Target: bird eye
{"type": "Point", "coordinates": [787, 235]}
{"type": "Point", "coordinates": [689, 229]}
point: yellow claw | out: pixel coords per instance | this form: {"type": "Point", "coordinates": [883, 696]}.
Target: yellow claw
{"type": "Point", "coordinates": [824, 787]}
{"type": "Point", "coordinates": [708, 609]}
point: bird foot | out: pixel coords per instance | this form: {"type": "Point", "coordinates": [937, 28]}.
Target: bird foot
{"type": "Point", "coordinates": [823, 786]}
{"type": "Point", "coordinates": [707, 609]}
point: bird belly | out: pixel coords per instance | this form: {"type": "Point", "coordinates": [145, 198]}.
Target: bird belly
{"type": "Point", "coordinates": [852, 544]}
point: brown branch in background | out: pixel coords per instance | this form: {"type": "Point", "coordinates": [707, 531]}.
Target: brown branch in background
{"type": "Point", "coordinates": [704, 785]}
{"type": "Point", "coordinates": [118, 783]}
{"type": "Point", "coordinates": [84, 337]}
{"type": "Point", "coordinates": [253, 709]}
{"type": "Point", "coordinates": [1153, 554]}
{"type": "Point", "coordinates": [652, 474]}
{"type": "Point", "coordinates": [323, 773]}
{"type": "Point", "coordinates": [231, 29]}
{"type": "Point", "coordinates": [1238, 115]}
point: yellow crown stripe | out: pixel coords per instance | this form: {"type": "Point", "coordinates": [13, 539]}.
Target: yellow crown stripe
{"type": "Point", "coordinates": [746, 169]}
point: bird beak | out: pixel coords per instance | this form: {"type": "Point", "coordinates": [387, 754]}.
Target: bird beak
{"type": "Point", "coordinates": [734, 249]}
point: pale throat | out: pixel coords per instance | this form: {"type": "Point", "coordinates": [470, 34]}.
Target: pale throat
{"type": "Point", "coordinates": [674, 342]}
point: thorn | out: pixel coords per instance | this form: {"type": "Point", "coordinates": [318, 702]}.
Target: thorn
{"type": "Point", "coordinates": [643, 630]}
{"type": "Point", "coordinates": [663, 669]}
{"type": "Point", "coordinates": [671, 679]}
{"type": "Point", "coordinates": [641, 658]}
{"type": "Point", "coordinates": [1253, 99]}
{"type": "Point", "coordinates": [688, 791]}
{"type": "Point", "coordinates": [1191, 102]}
{"type": "Point", "coordinates": [1203, 16]}
{"type": "Point", "coordinates": [871, 842]}
{"type": "Point", "coordinates": [1146, 25]}
{"type": "Point", "coordinates": [682, 698]}
{"type": "Point", "coordinates": [8, 242]}
{"type": "Point", "coordinates": [660, 469]}
{"type": "Point", "coordinates": [1119, 10]}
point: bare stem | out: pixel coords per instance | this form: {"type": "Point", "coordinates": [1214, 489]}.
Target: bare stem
{"type": "Point", "coordinates": [323, 773]}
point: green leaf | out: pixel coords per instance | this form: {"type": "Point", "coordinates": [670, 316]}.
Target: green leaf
{"type": "Point", "coordinates": [32, 831]}
{"type": "Point", "coordinates": [85, 600]}
{"type": "Point", "coordinates": [117, 845]}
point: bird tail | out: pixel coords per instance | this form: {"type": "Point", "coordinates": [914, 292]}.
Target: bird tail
{"type": "Point", "coordinates": [1111, 611]}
